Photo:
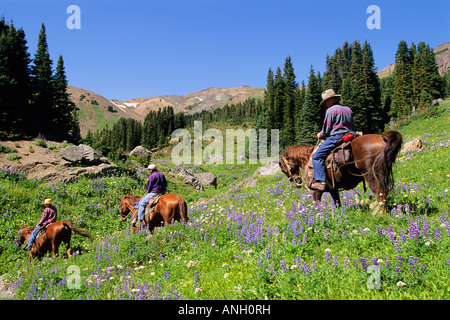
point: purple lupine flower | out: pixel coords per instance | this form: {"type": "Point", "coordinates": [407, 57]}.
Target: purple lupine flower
{"type": "Point", "coordinates": [412, 262]}
{"type": "Point", "coordinates": [346, 262]}
{"type": "Point", "coordinates": [166, 275]}
{"type": "Point", "coordinates": [448, 261]}
{"type": "Point", "coordinates": [437, 234]}
{"type": "Point", "coordinates": [388, 263]}
{"type": "Point", "coordinates": [271, 270]}
{"type": "Point", "coordinates": [425, 228]}
{"type": "Point", "coordinates": [267, 253]}
{"type": "Point", "coordinates": [313, 266]}
{"type": "Point", "coordinates": [283, 265]}
{"type": "Point", "coordinates": [196, 278]}
{"type": "Point", "coordinates": [397, 269]}
{"type": "Point", "coordinates": [327, 255]}
{"type": "Point", "coordinates": [402, 236]}
{"type": "Point", "coordinates": [335, 260]}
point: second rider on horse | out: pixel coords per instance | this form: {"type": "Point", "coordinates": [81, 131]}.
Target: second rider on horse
{"type": "Point", "coordinates": [49, 215]}
{"type": "Point", "coordinates": [156, 184]}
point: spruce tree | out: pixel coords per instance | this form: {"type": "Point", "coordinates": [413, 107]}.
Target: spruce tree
{"type": "Point", "coordinates": [65, 121]}
{"type": "Point", "coordinates": [290, 93]}
{"type": "Point", "coordinates": [402, 82]}
{"type": "Point", "coordinates": [14, 81]}
{"type": "Point", "coordinates": [43, 87]}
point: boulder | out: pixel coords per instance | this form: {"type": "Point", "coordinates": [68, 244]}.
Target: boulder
{"type": "Point", "coordinates": [80, 154]}
{"type": "Point", "coordinates": [415, 143]}
{"type": "Point", "coordinates": [207, 179]}
{"type": "Point", "coordinates": [186, 173]}
{"type": "Point", "coordinates": [269, 169]}
{"type": "Point", "coordinates": [140, 152]}
{"type": "Point", "coordinates": [90, 156]}
{"type": "Point", "coordinates": [72, 154]}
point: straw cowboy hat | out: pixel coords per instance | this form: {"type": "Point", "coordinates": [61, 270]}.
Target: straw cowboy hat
{"type": "Point", "coordinates": [327, 94]}
{"type": "Point", "coordinates": [48, 201]}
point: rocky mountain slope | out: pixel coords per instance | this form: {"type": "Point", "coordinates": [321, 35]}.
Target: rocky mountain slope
{"type": "Point", "coordinates": [96, 111]}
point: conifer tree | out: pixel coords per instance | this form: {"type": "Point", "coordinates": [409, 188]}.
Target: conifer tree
{"type": "Point", "coordinates": [402, 82]}
{"type": "Point", "coordinates": [43, 87]}
{"type": "Point", "coordinates": [290, 93]}
{"type": "Point", "coordinates": [65, 122]}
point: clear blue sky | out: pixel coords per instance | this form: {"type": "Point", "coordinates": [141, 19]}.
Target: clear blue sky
{"type": "Point", "coordinates": [129, 49]}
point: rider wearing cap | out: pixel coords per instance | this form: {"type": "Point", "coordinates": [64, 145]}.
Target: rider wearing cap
{"type": "Point", "coordinates": [48, 216]}
{"type": "Point", "coordinates": [156, 184]}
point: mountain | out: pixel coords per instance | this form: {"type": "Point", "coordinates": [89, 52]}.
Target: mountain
{"type": "Point", "coordinates": [442, 53]}
{"type": "Point", "coordinates": [97, 111]}
{"type": "Point", "coordinates": [208, 99]}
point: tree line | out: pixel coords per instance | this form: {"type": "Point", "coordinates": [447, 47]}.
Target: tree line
{"type": "Point", "coordinates": [33, 96]}
{"type": "Point", "coordinates": [351, 72]}
{"type": "Point", "coordinates": [126, 134]}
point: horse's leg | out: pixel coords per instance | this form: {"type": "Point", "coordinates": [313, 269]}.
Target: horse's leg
{"type": "Point", "coordinates": [67, 243]}
{"type": "Point", "coordinates": [30, 257]}
{"type": "Point", "coordinates": [380, 194]}
{"type": "Point", "coordinates": [317, 195]}
{"type": "Point", "coordinates": [335, 195]}
{"type": "Point", "coordinates": [55, 248]}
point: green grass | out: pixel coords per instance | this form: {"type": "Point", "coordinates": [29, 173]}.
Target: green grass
{"type": "Point", "coordinates": [267, 242]}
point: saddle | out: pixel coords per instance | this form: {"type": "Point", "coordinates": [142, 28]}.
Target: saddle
{"type": "Point", "coordinates": [149, 209]}
{"type": "Point", "coordinates": [340, 156]}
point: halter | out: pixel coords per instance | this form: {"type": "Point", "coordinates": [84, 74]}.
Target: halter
{"type": "Point", "coordinates": [129, 207]}
{"type": "Point", "coordinates": [291, 177]}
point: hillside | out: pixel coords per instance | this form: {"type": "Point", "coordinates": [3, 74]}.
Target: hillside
{"type": "Point", "coordinates": [96, 111]}
{"type": "Point", "coordinates": [442, 53]}
{"type": "Point", "coordinates": [247, 243]}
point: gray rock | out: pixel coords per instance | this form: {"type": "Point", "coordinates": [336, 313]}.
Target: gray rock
{"type": "Point", "coordinates": [90, 156]}
{"type": "Point", "coordinates": [207, 179]}
{"type": "Point", "coordinates": [269, 169]}
{"type": "Point", "coordinates": [140, 152]}
{"type": "Point", "coordinates": [72, 153]}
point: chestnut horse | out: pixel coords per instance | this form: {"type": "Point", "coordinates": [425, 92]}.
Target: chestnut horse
{"type": "Point", "coordinates": [373, 157]}
{"type": "Point", "coordinates": [57, 232]}
{"type": "Point", "coordinates": [169, 207]}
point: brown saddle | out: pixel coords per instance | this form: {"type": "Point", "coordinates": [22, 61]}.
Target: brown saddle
{"type": "Point", "coordinates": [149, 209]}
{"type": "Point", "coordinates": [340, 156]}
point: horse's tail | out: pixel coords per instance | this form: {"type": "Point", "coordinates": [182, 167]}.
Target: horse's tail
{"type": "Point", "coordinates": [182, 209]}
{"type": "Point", "coordinates": [76, 230]}
{"type": "Point", "coordinates": [382, 166]}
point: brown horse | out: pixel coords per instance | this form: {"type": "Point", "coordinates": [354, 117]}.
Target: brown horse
{"type": "Point", "coordinates": [57, 232]}
{"type": "Point", "coordinates": [170, 207]}
{"type": "Point", "coordinates": [373, 157]}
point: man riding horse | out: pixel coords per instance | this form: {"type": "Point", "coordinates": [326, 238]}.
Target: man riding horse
{"type": "Point", "coordinates": [156, 184]}
{"type": "Point", "coordinates": [338, 122]}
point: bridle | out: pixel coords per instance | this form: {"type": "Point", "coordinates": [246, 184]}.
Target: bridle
{"type": "Point", "coordinates": [292, 178]}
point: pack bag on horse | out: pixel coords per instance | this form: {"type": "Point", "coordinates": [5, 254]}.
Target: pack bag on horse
{"type": "Point", "coordinates": [156, 207]}
{"type": "Point", "coordinates": [353, 159]}
{"type": "Point", "coordinates": [48, 234]}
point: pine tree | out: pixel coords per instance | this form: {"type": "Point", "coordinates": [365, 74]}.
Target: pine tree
{"type": "Point", "coordinates": [43, 88]}
{"type": "Point", "coordinates": [65, 122]}
{"type": "Point", "coordinates": [15, 89]}
{"type": "Point", "coordinates": [290, 93]}
{"type": "Point", "coordinates": [278, 101]}
{"type": "Point", "coordinates": [402, 95]}
{"type": "Point", "coordinates": [269, 95]}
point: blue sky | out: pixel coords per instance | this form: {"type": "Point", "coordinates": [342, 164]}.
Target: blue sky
{"type": "Point", "coordinates": [134, 48]}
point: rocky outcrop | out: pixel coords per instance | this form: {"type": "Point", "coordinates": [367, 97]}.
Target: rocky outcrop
{"type": "Point", "coordinates": [140, 152]}
{"type": "Point", "coordinates": [58, 164]}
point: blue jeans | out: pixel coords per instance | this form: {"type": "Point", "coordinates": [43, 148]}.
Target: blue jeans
{"type": "Point", "coordinates": [33, 236]}
{"type": "Point", "coordinates": [318, 158]}
{"type": "Point", "coordinates": [143, 202]}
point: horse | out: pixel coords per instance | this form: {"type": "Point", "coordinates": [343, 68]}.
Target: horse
{"type": "Point", "coordinates": [170, 207]}
{"type": "Point", "coordinates": [57, 232]}
{"type": "Point", "coordinates": [373, 157]}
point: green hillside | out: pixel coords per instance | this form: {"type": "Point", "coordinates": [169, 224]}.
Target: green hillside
{"type": "Point", "coordinates": [266, 242]}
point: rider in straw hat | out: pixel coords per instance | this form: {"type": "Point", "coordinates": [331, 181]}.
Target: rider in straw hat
{"type": "Point", "coordinates": [48, 216]}
{"type": "Point", "coordinates": [337, 123]}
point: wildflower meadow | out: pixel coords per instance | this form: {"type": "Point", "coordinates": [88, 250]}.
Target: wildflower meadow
{"type": "Point", "coordinates": [263, 242]}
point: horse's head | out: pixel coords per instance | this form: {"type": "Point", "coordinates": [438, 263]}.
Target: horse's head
{"type": "Point", "coordinates": [126, 205]}
{"type": "Point", "coordinates": [22, 233]}
{"type": "Point", "coordinates": [294, 159]}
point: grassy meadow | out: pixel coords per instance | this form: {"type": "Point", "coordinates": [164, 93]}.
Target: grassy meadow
{"type": "Point", "coordinates": [267, 242]}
